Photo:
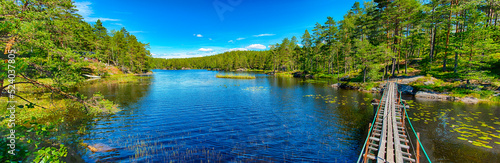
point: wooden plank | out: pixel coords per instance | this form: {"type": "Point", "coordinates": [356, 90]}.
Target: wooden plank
{"type": "Point", "coordinates": [382, 148]}
{"type": "Point", "coordinates": [397, 141]}
{"type": "Point", "coordinates": [390, 128]}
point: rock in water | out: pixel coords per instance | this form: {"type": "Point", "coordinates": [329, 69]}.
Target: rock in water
{"type": "Point", "coordinates": [99, 147]}
{"type": "Point", "coordinates": [406, 89]}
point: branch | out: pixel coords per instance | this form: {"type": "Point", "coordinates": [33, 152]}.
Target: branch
{"type": "Point", "coordinates": [60, 92]}
{"type": "Point", "coordinates": [3, 88]}
{"type": "Point", "coordinates": [29, 101]}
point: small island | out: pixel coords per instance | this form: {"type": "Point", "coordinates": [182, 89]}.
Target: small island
{"type": "Point", "coordinates": [232, 76]}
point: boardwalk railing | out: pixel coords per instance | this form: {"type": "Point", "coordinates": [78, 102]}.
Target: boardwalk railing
{"type": "Point", "coordinates": [387, 140]}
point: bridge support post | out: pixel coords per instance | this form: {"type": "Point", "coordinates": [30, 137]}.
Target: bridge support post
{"type": "Point", "coordinates": [367, 144]}
{"type": "Point", "coordinates": [375, 106]}
{"type": "Point", "coordinates": [418, 147]}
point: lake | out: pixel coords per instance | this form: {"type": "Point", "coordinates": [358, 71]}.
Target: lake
{"type": "Point", "coordinates": [193, 116]}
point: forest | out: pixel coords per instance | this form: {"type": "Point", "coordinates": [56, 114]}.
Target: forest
{"type": "Point", "coordinates": [375, 40]}
{"type": "Point", "coordinates": [54, 47]}
{"type": "Point", "coordinates": [48, 50]}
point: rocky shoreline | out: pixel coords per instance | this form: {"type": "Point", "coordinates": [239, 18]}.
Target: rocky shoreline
{"type": "Point", "coordinates": [409, 90]}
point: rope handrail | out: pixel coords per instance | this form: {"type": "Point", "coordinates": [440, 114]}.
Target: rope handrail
{"type": "Point", "coordinates": [414, 132]}
{"type": "Point", "coordinates": [369, 132]}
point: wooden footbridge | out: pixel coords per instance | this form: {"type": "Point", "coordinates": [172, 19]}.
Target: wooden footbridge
{"type": "Point", "coordinates": [387, 139]}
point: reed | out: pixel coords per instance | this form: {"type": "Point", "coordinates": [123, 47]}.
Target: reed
{"type": "Point", "coordinates": [231, 76]}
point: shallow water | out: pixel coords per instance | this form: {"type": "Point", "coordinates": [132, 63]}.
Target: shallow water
{"type": "Point", "coordinates": [192, 116]}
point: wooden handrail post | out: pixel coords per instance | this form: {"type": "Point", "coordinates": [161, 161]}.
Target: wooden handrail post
{"type": "Point", "coordinates": [367, 144]}
{"type": "Point", "coordinates": [418, 147]}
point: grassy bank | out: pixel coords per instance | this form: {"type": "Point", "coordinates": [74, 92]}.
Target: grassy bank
{"type": "Point", "coordinates": [44, 117]}
{"type": "Point", "coordinates": [484, 88]}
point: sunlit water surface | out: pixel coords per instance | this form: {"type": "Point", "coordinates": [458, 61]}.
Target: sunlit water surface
{"type": "Point", "coordinates": [192, 116]}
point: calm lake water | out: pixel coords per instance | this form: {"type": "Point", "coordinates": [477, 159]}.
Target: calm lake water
{"type": "Point", "coordinates": [191, 116]}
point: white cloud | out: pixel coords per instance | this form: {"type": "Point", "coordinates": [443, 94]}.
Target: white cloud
{"type": "Point", "coordinates": [299, 45]}
{"type": "Point", "coordinates": [210, 39]}
{"type": "Point", "coordinates": [86, 11]}
{"type": "Point", "coordinates": [231, 41]}
{"type": "Point", "coordinates": [256, 46]}
{"type": "Point", "coordinates": [118, 24]}
{"type": "Point", "coordinates": [136, 32]}
{"type": "Point", "coordinates": [237, 49]}
{"type": "Point", "coordinates": [177, 55]}
{"type": "Point", "coordinates": [199, 35]}
{"type": "Point", "coordinates": [102, 19]}
{"type": "Point", "coordinates": [205, 50]}
{"type": "Point", "coordinates": [84, 8]}
{"type": "Point", "coordinates": [240, 38]}
{"type": "Point", "coordinates": [263, 35]}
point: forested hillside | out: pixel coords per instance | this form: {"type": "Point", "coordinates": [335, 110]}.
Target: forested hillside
{"type": "Point", "coordinates": [445, 38]}
{"type": "Point", "coordinates": [47, 49]}
{"type": "Point", "coordinates": [50, 35]}
{"type": "Point", "coordinates": [52, 41]}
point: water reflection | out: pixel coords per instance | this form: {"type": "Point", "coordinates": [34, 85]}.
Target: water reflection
{"type": "Point", "coordinates": [192, 116]}
{"type": "Point", "coordinates": [457, 132]}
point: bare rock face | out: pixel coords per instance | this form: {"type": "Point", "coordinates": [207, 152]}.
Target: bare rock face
{"type": "Point", "coordinates": [241, 69]}
{"type": "Point", "coordinates": [408, 80]}
{"type": "Point", "coordinates": [428, 83]}
{"type": "Point", "coordinates": [469, 100]}
{"type": "Point", "coordinates": [433, 96]}
{"type": "Point", "coordinates": [444, 97]}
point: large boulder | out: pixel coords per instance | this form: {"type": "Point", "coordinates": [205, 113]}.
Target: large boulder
{"type": "Point", "coordinates": [345, 78]}
{"type": "Point", "coordinates": [428, 83]}
{"type": "Point", "coordinates": [434, 96]}
{"type": "Point", "coordinates": [297, 74]}
{"type": "Point", "coordinates": [469, 100]}
{"type": "Point", "coordinates": [406, 89]}
{"type": "Point", "coordinates": [407, 80]}
{"type": "Point", "coordinates": [241, 69]}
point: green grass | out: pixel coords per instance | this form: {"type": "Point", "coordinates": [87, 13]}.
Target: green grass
{"type": "Point", "coordinates": [231, 76]}
{"type": "Point", "coordinates": [285, 74]}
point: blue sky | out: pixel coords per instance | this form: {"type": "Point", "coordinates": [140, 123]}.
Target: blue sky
{"type": "Point", "coordinates": [194, 28]}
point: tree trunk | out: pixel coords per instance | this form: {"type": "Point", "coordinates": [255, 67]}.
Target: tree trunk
{"type": "Point", "coordinates": [1, 86]}
{"type": "Point", "coordinates": [406, 63]}
{"type": "Point", "coordinates": [385, 69]}
{"type": "Point", "coordinates": [364, 75]}
{"type": "Point", "coordinates": [457, 26]}
{"type": "Point", "coordinates": [496, 18]}
{"type": "Point", "coordinates": [399, 56]}
{"type": "Point", "coordinates": [433, 41]}
{"type": "Point", "coordinates": [447, 38]}
{"type": "Point", "coordinates": [393, 67]}
{"type": "Point", "coordinates": [338, 67]}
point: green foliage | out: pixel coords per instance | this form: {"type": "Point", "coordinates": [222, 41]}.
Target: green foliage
{"type": "Point", "coordinates": [51, 154]}
{"type": "Point", "coordinates": [104, 106]}
{"type": "Point", "coordinates": [56, 47]}
{"type": "Point", "coordinates": [451, 40]}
